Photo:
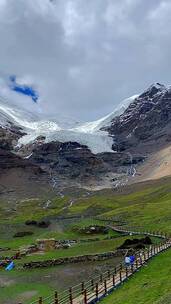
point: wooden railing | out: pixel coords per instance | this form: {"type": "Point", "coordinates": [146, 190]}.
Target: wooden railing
{"type": "Point", "coordinates": [98, 287]}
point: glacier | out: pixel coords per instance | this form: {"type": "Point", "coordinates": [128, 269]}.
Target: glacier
{"type": "Point", "coordinates": [90, 134]}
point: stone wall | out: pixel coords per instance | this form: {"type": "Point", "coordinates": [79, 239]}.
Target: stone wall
{"type": "Point", "coordinates": [76, 259]}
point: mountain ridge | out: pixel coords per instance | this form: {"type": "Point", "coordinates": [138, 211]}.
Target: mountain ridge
{"type": "Point", "coordinates": [89, 133]}
{"type": "Point", "coordinates": [107, 153]}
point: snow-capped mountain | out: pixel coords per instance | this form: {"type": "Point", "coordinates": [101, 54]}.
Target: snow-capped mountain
{"type": "Point", "coordinates": [147, 116]}
{"type": "Point", "coordinates": [89, 134]}
{"type": "Point", "coordinates": [104, 153]}
{"type": "Point", "coordinates": [97, 125]}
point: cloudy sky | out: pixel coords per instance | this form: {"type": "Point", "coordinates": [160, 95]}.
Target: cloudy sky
{"type": "Point", "coordinates": [84, 56]}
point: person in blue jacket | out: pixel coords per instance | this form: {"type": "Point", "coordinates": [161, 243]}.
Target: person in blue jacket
{"type": "Point", "coordinates": [10, 266]}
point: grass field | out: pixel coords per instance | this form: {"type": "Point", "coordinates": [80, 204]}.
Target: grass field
{"type": "Point", "coordinates": [149, 206]}
{"type": "Point", "coordinates": [144, 205]}
{"type": "Point", "coordinates": [84, 249]}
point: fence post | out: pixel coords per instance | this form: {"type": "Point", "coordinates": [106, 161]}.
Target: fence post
{"type": "Point", "coordinates": [92, 283]}
{"type": "Point", "coordinates": [113, 278]}
{"type": "Point", "coordinates": [97, 290]}
{"type": "Point", "coordinates": [70, 296]}
{"type": "Point", "coordinates": [82, 286]}
{"type": "Point", "coordinates": [115, 270]}
{"type": "Point", "coordinates": [140, 258]}
{"type": "Point", "coordinates": [40, 300]}
{"type": "Point", "coordinates": [151, 251]}
{"type": "Point", "coordinates": [105, 286]}
{"type": "Point", "coordinates": [85, 296]}
{"type": "Point", "coordinates": [120, 275]}
{"type": "Point", "coordinates": [132, 268]}
{"type": "Point", "coordinates": [56, 297]}
{"type": "Point", "coordinates": [126, 271]}
{"type": "Point", "coordinates": [148, 253]}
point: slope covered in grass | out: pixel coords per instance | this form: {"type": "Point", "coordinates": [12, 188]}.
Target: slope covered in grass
{"type": "Point", "coordinates": [146, 205]}
{"type": "Point", "coordinates": [151, 285]}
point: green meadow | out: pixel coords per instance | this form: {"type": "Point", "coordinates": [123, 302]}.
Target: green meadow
{"type": "Point", "coordinates": [146, 206]}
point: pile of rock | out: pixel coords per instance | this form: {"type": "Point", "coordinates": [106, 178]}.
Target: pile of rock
{"type": "Point", "coordinates": [44, 245]}
{"type": "Point", "coordinates": [51, 244]}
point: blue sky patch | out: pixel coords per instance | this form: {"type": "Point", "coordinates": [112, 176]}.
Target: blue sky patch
{"type": "Point", "coordinates": [23, 89]}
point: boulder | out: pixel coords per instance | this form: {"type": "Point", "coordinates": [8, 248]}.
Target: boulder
{"type": "Point", "coordinates": [31, 223]}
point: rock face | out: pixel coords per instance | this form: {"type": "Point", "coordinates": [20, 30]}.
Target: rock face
{"type": "Point", "coordinates": [17, 175]}
{"type": "Point", "coordinates": [75, 163]}
{"type": "Point", "coordinates": [8, 159]}
{"type": "Point", "coordinates": [9, 137]}
{"type": "Point", "coordinates": [146, 120]}
{"type": "Point", "coordinates": [69, 159]}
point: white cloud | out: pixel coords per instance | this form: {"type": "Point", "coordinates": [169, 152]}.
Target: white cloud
{"type": "Point", "coordinates": [160, 20]}
{"type": "Point", "coordinates": [84, 55]}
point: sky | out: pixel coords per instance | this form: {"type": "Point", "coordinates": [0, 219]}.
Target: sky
{"type": "Point", "coordinates": [83, 57]}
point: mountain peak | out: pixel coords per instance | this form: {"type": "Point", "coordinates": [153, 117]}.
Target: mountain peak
{"type": "Point", "coordinates": [158, 86]}
{"type": "Point", "coordinates": [153, 90]}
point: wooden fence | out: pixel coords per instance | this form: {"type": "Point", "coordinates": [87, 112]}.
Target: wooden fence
{"type": "Point", "coordinates": [98, 287]}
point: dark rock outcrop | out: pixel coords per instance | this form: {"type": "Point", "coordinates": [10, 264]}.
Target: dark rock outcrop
{"type": "Point", "coordinates": [69, 160]}
{"type": "Point", "coordinates": [136, 243]}
{"type": "Point", "coordinates": [19, 177]}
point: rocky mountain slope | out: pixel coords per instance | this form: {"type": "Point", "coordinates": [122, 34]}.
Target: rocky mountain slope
{"type": "Point", "coordinates": [109, 152]}
{"type": "Point", "coordinates": [146, 121]}
{"type": "Point", "coordinates": [19, 177]}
